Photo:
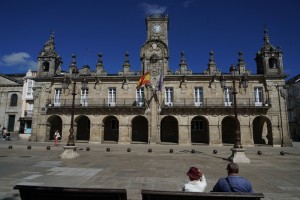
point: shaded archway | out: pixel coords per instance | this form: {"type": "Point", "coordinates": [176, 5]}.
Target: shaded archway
{"type": "Point", "coordinates": [169, 129]}
{"type": "Point", "coordinates": [262, 131]}
{"type": "Point", "coordinates": [273, 62]}
{"type": "Point", "coordinates": [199, 130]}
{"type": "Point", "coordinates": [45, 66]}
{"type": "Point", "coordinates": [139, 129]}
{"type": "Point", "coordinates": [83, 128]}
{"type": "Point", "coordinates": [228, 130]}
{"type": "Point", "coordinates": [111, 129]}
{"type": "Point", "coordinates": [54, 123]}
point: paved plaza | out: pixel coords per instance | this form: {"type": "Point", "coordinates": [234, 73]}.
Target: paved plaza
{"type": "Point", "coordinates": [275, 175]}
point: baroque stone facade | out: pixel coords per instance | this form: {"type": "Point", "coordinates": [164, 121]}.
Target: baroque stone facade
{"type": "Point", "coordinates": [11, 87]}
{"type": "Point", "coordinates": [178, 107]}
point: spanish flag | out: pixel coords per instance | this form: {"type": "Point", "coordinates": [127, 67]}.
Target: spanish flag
{"type": "Point", "coordinates": [144, 80]}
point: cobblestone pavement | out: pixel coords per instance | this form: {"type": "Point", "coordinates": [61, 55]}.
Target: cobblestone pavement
{"type": "Point", "coordinates": [275, 175]}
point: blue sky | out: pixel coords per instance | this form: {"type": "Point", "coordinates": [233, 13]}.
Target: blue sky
{"type": "Point", "coordinates": [87, 27]}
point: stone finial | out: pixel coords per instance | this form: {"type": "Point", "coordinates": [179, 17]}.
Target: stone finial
{"type": "Point", "coordinates": [73, 64]}
{"type": "Point", "coordinates": [126, 67]}
{"type": "Point", "coordinates": [73, 60]}
{"type": "Point", "coordinates": [100, 61]}
{"type": "Point", "coordinates": [211, 57]}
{"type": "Point", "coordinates": [266, 37]}
{"type": "Point", "coordinates": [241, 59]}
{"type": "Point", "coordinates": [182, 57]}
{"type": "Point", "coordinates": [127, 57]}
{"type": "Point", "coordinates": [212, 68]}
{"type": "Point", "coordinates": [183, 66]}
{"type": "Point", "coordinates": [242, 65]}
{"type": "Point", "coordinates": [100, 67]}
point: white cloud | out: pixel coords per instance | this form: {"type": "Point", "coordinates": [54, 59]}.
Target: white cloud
{"type": "Point", "coordinates": [187, 3]}
{"type": "Point", "coordinates": [21, 60]}
{"type": "Point", "coordinates": [150, 9]}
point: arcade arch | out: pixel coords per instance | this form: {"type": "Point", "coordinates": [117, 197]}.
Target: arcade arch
{"type": "Point", "coordinates": [199, 130]}
{"type": "Point", "coordinates": [169, 129]}
{"type": "Point", "coordinates": [228, 129]}
{"type": "Point", "coordinates": [111, 129]}
{"type": "Point", "coordinates": [139, 129]}
{"type": "Point", "coordinates": [53, 123]}
{"type": "Point", "coordinates": [262, 131]}
{"type": "Point", "coordinates": [83, 128]}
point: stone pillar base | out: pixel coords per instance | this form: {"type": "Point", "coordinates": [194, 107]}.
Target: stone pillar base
{"type": "Point", "coordinates": [238, 156]}
{"type": "Point", "coordinates": [69, 152]}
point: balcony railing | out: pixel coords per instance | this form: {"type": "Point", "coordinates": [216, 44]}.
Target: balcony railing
{"type": "Point", "coordinates": [28, 113]}
{"type": "Point", "coordinates": [216, 102]}
{"type": "Point", "coordinates": [129, 102]}
{"type": "Point", "coordinates": [101, 102]}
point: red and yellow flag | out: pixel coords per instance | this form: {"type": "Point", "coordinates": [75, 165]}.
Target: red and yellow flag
{"type": "Point", "coordinates": [144, 80]}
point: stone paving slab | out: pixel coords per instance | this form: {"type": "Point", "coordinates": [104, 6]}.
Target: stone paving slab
{"type": "Point", "coordinates": [275, 175]}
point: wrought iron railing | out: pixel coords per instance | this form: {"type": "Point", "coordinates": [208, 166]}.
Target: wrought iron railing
{"type": "Point", "coordinates": [130, 102]}
{"type": "Point", "coordinates": [216, 102]}
{"type": "Point", "coordinates": [101, 102]}
{"type": "Point", "coordinates": [28, 113]}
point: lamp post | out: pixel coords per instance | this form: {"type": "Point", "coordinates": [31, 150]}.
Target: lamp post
{"type": "Point", "coordinates": [277, 88]}
{"type": "Point", "coordinates": [74, 76]}
{"type": "Point", "coordinates": [238, 155]}
{"type": "Point", "coordinates": [70, 148]}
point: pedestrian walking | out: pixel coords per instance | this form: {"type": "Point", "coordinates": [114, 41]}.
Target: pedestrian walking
{"type": "Point", "coordinates": [56, 137]}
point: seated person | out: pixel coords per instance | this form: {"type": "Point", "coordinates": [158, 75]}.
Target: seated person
{"type": "Point", "coordinates": [197, 181]}
{"type": "Point", "coordinates": [233, 182]}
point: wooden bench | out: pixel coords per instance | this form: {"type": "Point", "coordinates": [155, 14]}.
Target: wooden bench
{"type": "Point", "coordinates": [176, 195]}
{"type": "Point", "coordinates": [29, 192]}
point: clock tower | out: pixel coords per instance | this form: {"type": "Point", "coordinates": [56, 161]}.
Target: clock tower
{"type": "Point", "coordinates": [157, 27]}
{"type": "Point", "coordinates": [155, 51]}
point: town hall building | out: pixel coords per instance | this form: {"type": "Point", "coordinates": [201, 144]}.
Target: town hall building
{"type": "Point", "coordinates": [181, 107]}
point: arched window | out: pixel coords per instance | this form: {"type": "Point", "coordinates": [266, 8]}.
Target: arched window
{"type": "Point", "coordinates": [46, 66]}
{"type": "Point", "coordinates": [273, 63]}
{"type": "Point", "coordinates": [13, 100]}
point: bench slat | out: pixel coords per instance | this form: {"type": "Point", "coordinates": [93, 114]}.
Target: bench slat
{"type": "Point", "coordinates": [178, 195]}
{"type": "Point", "coordinates": [29, 192]}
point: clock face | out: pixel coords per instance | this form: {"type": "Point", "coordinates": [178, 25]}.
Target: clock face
{"type": "Point", "coordinates": [156, 28]}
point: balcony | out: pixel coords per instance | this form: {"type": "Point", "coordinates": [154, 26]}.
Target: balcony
{"type": "Point", "coordinates": [28, 113]}
{"type": "Point", "coordinates": [130, 105]}
{"type": "Point", "coordinates": [28, 96]}
{"type": "Point", "coordinates": [94, 106]}
{"type": "Point", "coordinates": [101, 102]}
{"type": "Point", "coordinates": [217, 102]}
{"type": "Point", "coordinates": [214, 105]}
{"type": "Point", "coordinates": [27, 116]}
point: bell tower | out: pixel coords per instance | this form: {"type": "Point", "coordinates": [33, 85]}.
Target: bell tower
{"type": "Point", "coordinates": [155, 51]}
{"type": "Point", "coordinates": [49, 62]}
{"type": "Point", "coordinates": [269, 59]}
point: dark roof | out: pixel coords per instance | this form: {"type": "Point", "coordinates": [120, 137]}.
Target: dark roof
{"type": "Point", "coordinates": [17, 78]}
{"type": "Point", "coordinates": [293, 80]}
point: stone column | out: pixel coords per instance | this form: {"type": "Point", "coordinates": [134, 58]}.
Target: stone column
{"type": "Point", "coordinates": [124, 131]}
{"type": "Point", "coordinates": [215, 130]}
{"type": "Point", "coordinates": [95, 136]}
{"type": "Point", "coordinates": [65, 128]}
{"type": "Point", "coordinates": [184, 136]}
{"type": "Point", "coordinates": [245, 128]}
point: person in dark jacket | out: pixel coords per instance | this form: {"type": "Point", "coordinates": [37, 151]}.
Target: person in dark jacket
{"type": "Point", "coordinates": [233, 182]}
